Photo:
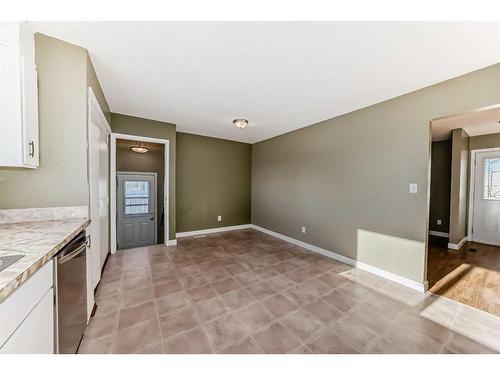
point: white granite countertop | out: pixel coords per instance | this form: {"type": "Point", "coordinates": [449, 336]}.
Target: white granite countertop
{"type": "Point", "coordinates": [38, 241]}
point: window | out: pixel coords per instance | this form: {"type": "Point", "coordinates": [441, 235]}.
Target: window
{"type": "Point", "coordinates": [491, 179]}
{"type": "Point", "coordinates": [136, 197]}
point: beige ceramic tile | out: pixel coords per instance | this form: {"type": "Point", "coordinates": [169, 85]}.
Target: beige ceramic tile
{"type": "Point", "coordinates": [246, 292]}
{"type": "Point", "coordinates": [276, 339]}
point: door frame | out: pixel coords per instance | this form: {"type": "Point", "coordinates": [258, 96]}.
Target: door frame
{"type": "Point", "coordinates": [112, 179]}
{"type": "Point", "coordinates": [156, 195]}
{"type": "Point", "coordinates": [472, 186]}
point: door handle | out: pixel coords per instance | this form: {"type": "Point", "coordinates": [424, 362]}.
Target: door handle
{"type": "Point", "coordinates": [32, 148]}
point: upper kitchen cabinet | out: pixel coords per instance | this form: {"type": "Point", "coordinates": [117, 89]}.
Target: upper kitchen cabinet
{"type": "Point", "coordinates": [18, 96]}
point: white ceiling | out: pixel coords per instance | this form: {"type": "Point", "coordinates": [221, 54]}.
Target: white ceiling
{"type": "Point", "coordinates": [475, 123]}
{"type": "Point", "coordinates": [279, 75]}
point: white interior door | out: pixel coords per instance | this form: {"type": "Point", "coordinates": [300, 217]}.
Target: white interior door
{"type": "Point", "coordinates": [99, 182]}
{"type": "Point", "coordinates": [486, 208]}
{"type": "Point", "coordinates": [94, 228]}
{"type": "Point", "coordinates": [103, 196]}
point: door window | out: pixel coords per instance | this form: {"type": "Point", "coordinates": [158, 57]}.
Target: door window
{"type": "Point", "coordinates": [137, 195]}
{"type": "Point", "coordinates": [491, 178]}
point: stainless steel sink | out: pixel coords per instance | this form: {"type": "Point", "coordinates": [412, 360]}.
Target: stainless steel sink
{"type": "Point", "coordinates": [6, 261]}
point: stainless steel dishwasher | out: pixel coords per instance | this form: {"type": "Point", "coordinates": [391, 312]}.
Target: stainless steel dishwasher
{"type": "Point", "coordinates": [71, 294]}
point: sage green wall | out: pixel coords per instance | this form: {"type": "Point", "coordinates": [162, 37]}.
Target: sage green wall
{"type": "Point", "coordinates": [459, 185]}
{"type": "Point", "coordinates": [213, 178]}
{"type": "Point", "coordinates": [440, 186]}
{"type": "Point", "coordinates": [61, 179]}
{"type": "Point", "coordinates": [156, 129]}
{"type": "Point", "coordinates": [350, 175]}
{"type": "Point", "coordinates": [485, 141]}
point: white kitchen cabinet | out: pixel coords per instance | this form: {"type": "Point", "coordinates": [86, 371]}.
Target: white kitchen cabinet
{"type": "Point", "coordinates": [27, 316]}
{"type": "Point", "coordinates": [35, 335]}
{"type": "Point", "coordinates": [19, 146]}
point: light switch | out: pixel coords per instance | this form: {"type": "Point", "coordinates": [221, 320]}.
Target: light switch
{"type": "Point", "coordinates": [439, 222]}
{"type": "Point", "coordinates": [413, 188]}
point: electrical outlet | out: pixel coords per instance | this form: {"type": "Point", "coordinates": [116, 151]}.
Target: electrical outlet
{"type": "Point", "coordinates": [413, 188]}
{"type": "Point", "coordinates": [219, 218]}
{"type": "Point", "coordinates": [304, 230]}
{"type": "Point", "coordinates": [439, 222]}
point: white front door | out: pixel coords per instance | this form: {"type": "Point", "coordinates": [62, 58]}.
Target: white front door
{"type": "Point", "coordinates": [486, 208]}
{"type": "Point", "coordinates": [136, 206]}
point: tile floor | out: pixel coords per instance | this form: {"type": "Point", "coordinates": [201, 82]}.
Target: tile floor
{"type": "Point", "coordinates": [247, 292]}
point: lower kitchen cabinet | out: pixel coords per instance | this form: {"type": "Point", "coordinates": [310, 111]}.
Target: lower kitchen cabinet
{"type": "Point", "coordinates": [35, 335]}
{"type": "Point", "coordinates": [27, 316]}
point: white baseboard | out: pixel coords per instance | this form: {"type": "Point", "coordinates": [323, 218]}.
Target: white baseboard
{"type": "Point", "coordinates": [438, 234]}
{"type": "Point", "coordinates": [212, 230]}
{"type": "Point", "coordinates": [455, 246]}
{"type": "Point", "coordinates": [171, 242]}
{"type": "Point", "coordinates": [341, 258]}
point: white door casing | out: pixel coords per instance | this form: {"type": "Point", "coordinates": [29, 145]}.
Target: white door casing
{"type": "Point", "coordinates": [485, 180]}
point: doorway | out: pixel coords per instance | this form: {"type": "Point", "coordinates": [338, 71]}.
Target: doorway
{"type": "Point", "coordinates": [136, 209]}
{"type": "Point", "coordinates": [125, 159]}
{"type": "Point", "coordinates": [463, 248]}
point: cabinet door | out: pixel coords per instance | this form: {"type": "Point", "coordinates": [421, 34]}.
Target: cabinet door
{"type": "Point", "coordinates": [30, 113]}
{"type": "Point", "coordinates": [10, 106]}
{"type": "Point", "coordinates": [35, 335]}
{"type": "Point", "coordinates": [29, 96]}
{"type": "Point", "coordinates": [18, 96]}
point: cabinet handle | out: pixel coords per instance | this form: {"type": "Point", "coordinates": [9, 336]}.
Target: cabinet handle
{"type": "Point", "coordinates": [32, 148]}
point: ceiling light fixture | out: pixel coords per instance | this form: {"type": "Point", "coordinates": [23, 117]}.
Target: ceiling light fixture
{"type": "Point", "coordinates": [139, 148]}
{"type": "Point", "coordinates": [240, 123]}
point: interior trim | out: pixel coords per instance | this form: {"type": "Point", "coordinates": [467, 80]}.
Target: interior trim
{"type": "Point", "coordinates": [439, 234]}
{"type": "Point", "coordinates": [212, 230]}
{"type": "Point", "coordinates": [455, 246]}
{"type": "Point", "coordinates": [341, 258]}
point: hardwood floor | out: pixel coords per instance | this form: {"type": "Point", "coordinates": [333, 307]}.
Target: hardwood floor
{"type": "Point", "coordinates": [467, 276]}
